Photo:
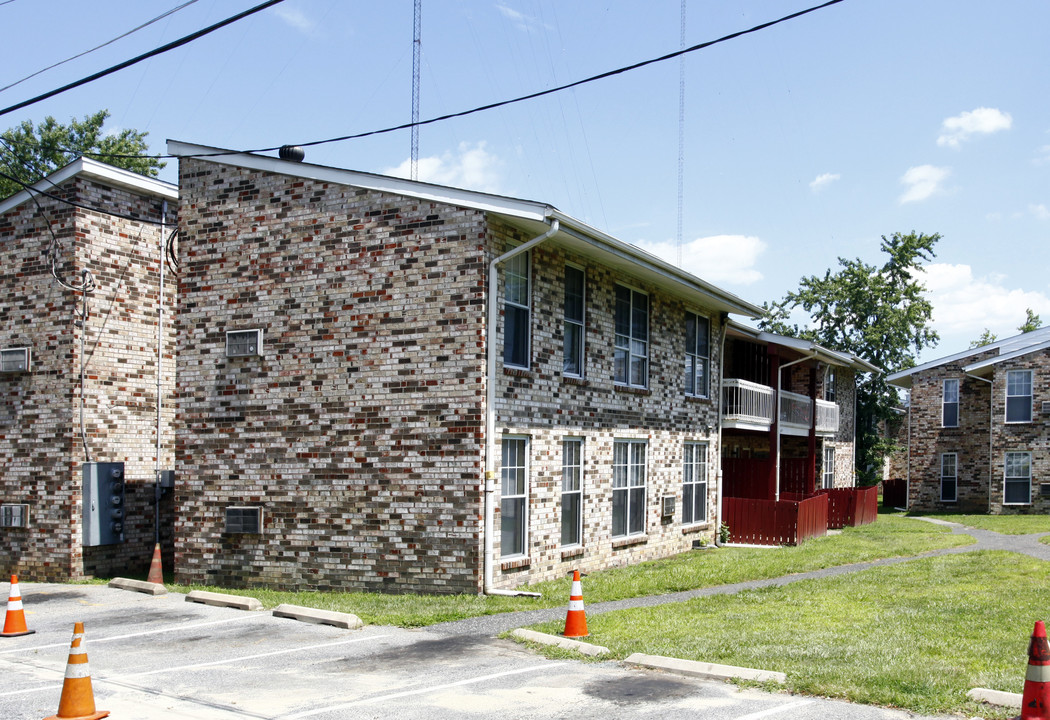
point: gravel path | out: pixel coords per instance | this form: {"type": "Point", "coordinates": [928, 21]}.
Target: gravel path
{"type": "Point", "coordinates": [491, 625]}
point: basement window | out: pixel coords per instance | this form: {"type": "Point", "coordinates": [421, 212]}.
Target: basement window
{"type": "Point", "coordinates": [14, 360]}
{"type": "Point", "coordinates": [244, 520]}
{"type": "Point", "coordinates": [14, 516]}
{"type": "Point", "coordinates": [244, 343]}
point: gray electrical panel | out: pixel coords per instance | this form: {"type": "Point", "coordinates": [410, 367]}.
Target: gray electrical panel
{"type": "Point", "coordinates": [103, 503]}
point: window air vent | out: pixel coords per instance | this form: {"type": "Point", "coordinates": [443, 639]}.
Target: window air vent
{"type": "Point", "coordinates": [1044, 490]}
{"type": "Point", "coordinates": [244, 343]}
{"type": "Point", "coordinates": [244, 520]}
{"type": "Point", "coordinates": [14, 360]}
{"type": "Point", "coordinates": [1046, 408]}
{"type": "Point", "coordinates": [667, 506]}
{"type": "Point", "coordinates": [14, 516]}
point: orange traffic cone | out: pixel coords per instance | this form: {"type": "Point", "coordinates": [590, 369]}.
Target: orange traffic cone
{"type": "Point", "coordinates": [156, 572]}
{"type": "Point", "coordinates": [576, 618]}
{"type": "Point", "coordinates": [15, 621]}
{"type": "Point", "coordinates": [1035, 702]}
{"type": "Point", "coordinates": [78, 702]}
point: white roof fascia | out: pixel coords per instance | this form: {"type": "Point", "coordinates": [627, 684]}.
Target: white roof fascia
{"type": "Point", "coordinates": [525, 209]}
{"type": "Point", "coordinates": [832, 357]}
{"type": "Point", "coordinates": [100, 171]}
{"type": "Point", "coordinates": [639, 256]}
{"type": "Point", "coordinates": [1010, 345]}
{"type": "Point", "coordinates": [1008, 356]}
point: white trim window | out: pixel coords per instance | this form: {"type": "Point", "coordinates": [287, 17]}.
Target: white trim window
{"type": "Point", "coordinates": [697, 355]}
{"type": "Point", "coordinates": [631, 349]}
{"type": "Point", "coordinates": [571, 492]}
{"type": "Point", "coordinates": [244, 343]}
{"type": "Point", "coordinates": [829, 384]}
{"type": "Point", "coordinates": [575, 321]}
{"type": "Point", "coordinates": [694, 483]}
{"type": "Point", "coordinates": [15, 360]}
{"type": "Point", "coordinates": [517, 311]}
{"type": "Point", "coordinates": [950, 403]}
{"type": "Point", "coordinates": [514, 498]}
{"type": "Point", "coordinates": [1017, 478]}
{"type": "Point", "coordinates": [628, 501]}
{"type": "Point", "coordinates": [827, 476]}
{"type": "Point", "coordinates": [1018, 396]}
{"type": "Point", "coordinates": [949, 477]}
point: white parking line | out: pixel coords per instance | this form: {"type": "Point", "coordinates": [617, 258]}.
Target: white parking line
{"type": "Point", "coordinates": [420, 691]}
{"type": "Point", "coordinates": [775, 710]}
{"type": "Point", "coordinates": [91, 640]}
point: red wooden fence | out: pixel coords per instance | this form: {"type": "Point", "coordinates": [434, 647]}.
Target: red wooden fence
{"type": "Point", "coordinates": [768, 522]}
{"type": "Point", "coordinates": [851, 507]}
{"type": "Point", "coordinates": [895, 493]}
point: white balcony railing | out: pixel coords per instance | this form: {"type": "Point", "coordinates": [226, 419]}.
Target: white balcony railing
{"type": "Point", "coordinates": [827, 417]}
{"type": "Point", "coordinates": [747, 402]}
{"type": "Point", "coordinates": [795, 410]}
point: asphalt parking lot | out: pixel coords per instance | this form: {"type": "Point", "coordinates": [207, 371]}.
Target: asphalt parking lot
{"type": "Point", "coordinates": [153, 657]}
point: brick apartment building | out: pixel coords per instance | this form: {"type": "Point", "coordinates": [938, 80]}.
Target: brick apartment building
{"type": "Point", "coordinates": [102, 221]}
{"type": "Point", "coordinates": [975, 435]}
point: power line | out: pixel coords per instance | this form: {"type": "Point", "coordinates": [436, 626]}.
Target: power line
{"type": "Point", "coordinates": [33, 193]}
{"type": "Point", "coordinates": [145, 56]}
{"type": "Point", "coordinates": [98, 47]}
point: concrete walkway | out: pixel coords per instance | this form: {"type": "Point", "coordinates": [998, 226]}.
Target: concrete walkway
{"type": "Point", "coordinates": [491, 625]}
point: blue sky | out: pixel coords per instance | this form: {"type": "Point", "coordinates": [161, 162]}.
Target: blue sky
{"type": "Point", "coordinates": [803, 143]}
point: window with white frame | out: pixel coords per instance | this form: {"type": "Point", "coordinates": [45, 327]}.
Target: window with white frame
{"type": "Point", "coordinates": [950, 403]}
{"type": "Point", "coordinates": [949, 477]}
{"type": "Point", "coordinates": [1018, 396]}
{"type": "Point", "coordinates": [572, 363]}
{"type": "Point", "coordinates": [14, 360]}
{"type": "Point", "coordinates": [828, 475]}
{"type": "Point", "coordinates": [697, 355]}
{"type": "Point", "coordinates": [514, 496]}
{"type": "Point", "coordinates": [628, 488]}
{"type": "Point", "coordinates": [244, 343]}
{"type": "Point", "coordinates": [516, 311]}
{"type": "Point", "coordinates": [631, 352]}
{"type": "Point", "coordinates": [571, 491]}
{"type": "Point", "coordinates": [829, 385]}
{"type": "Point", "coordinates": [14, 515]}
{"type": "Point", "coordinates": [1017, 486]}
{"type": "Point", "coordinates": [694, 483]}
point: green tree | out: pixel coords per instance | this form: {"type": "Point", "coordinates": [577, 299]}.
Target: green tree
{"type": "Point", "coordinates": [987, 338]}
{"type": "Point", "coordinates": [29, 152]}
{"type": "Point", "coordinates": [879, 313]}
{"type": "Point", "coordinates": [1031, 322]}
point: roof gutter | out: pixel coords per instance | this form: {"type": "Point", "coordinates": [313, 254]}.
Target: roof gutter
{"type": "Point", "coordinates": [490, 407]}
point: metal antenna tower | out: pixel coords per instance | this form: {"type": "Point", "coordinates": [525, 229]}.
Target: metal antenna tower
{"type": "Point", "coordinates": [417, 12]}
{"type": "Point", "coordinates": [681, 135]}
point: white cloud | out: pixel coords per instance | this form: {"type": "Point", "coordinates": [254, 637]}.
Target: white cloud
{"type": "Point", "coordinates": [523, 22]}
{"type": "Point", "coordinates": [1040, 211]}
{"type": "Point", "coordinates": [471, 167]}
{"type": "Point", "coordinates": [923, 181]}
{"type": "Point", "coordinates": [823, 180]}
{"type": "Point", "coordinates": [964, 305]}
{"type": "Point", "coordinates": [295, 18]}
{"type": "Point", "coordinates": [717, 258]}
{"type": "Point", "coordinates": [981, 121]}
{"type": "Point", "coordinates": [1042, 155]}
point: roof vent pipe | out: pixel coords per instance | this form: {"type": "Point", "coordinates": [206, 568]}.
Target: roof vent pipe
{"type": "Point", "coordinates": [292, 152]}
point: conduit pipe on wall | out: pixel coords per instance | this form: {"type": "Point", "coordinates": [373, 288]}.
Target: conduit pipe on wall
{"type": "Point", "coordinates": [780, 382]}
{"type": "Point", "coordinates": [490, 407]}
{"type": "Point", "coordinates": [718, 419]}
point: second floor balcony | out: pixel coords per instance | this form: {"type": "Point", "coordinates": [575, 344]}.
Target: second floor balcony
{"type": "Point", "coordinates": [751, 406]}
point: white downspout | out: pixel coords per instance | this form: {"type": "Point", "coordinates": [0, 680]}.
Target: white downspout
{"type": "Point", "coordinates": [780, 381]}
{"type": "Point", "coordinates": [718, 457]}
{"type": "Point", "coordinates": [490, 408]}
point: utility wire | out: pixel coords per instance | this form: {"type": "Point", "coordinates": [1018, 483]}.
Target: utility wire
{"type": "Point", "coordinates": [145, 56]}
{"type": "Point", "coordinates": [98, 47]}
{"type": "Point", "coordinates": [33, 192]}
{"type": "Point", "coordinates": [502, 103]}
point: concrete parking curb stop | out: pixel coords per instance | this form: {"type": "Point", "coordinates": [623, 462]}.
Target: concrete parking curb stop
{"type": "Point", "coordinates": [564, 643]}
{"type": "Point", "coordinates": [704, 670]}
{"type": "Point", "coordinates": [138, 586]}
{"type": "Point", "coordinates": [220, 600]}
{"type": "Point", "coordinates": [995, 697]}
{"type": "Point", "coordinates": [347, 621]}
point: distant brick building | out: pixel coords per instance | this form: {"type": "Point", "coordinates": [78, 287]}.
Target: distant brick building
{"type": "Point", "coordinates": [112, 231]}
{"type": "Point", "coordinates": [975, 431]}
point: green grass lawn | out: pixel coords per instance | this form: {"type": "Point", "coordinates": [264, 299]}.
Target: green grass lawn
{"type": "Point", "coordinates": [916, 635]}
{"type": "Point", "coordinates": [1005, 524]}
{"type": "Point", "coordinates": [892, 536]}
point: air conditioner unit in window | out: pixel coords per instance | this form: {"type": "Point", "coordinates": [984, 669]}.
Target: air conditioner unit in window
{"type": "Point", "coordinates": [244, 520]}
{"type": "Point", "coordinates": [1046, 408]}
{"type": "Point", "coordinates": [14, 360]}
{"type": "Point", "coordinates": [14, 516]}
{"type": "Point", "coordinates": [244, 343]}
{"type": "Point", "coordinates": [667, 506]}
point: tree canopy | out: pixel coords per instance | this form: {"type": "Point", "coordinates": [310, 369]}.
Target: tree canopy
{"type": "Point", "coordinates": [879, 313]}
{"type": "Point", "coordinates": [1031, 322]}
{"type": "Point", "coordinates": [29, 152]}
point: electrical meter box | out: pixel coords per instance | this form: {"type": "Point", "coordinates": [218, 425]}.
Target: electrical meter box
{"type": "Point", "coordinates": [103, 503]}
